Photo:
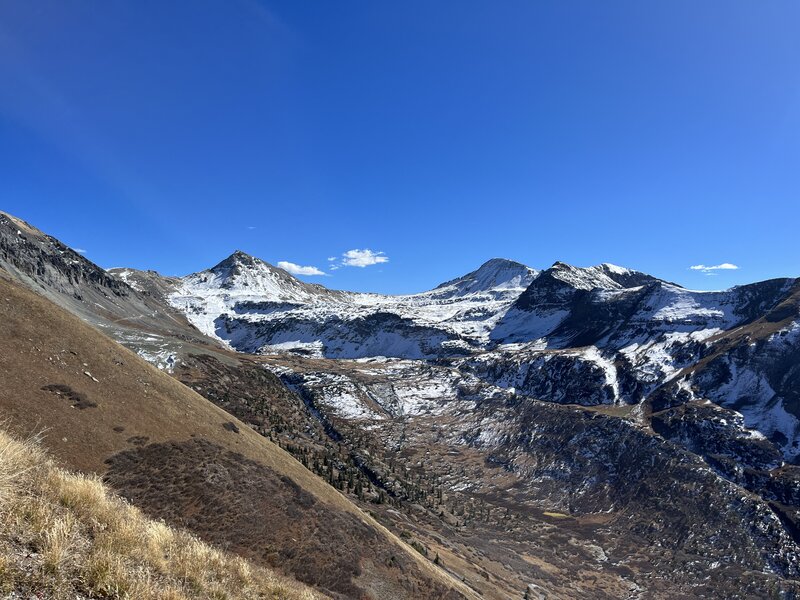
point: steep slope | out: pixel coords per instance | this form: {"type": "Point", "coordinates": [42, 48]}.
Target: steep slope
{"type": "Point", "coordinates": [66, 535]}
{"type": "Point", "coordinates": [134, 316]}
{"type": "Point", "coordinates": [753, 369]}
{"type": "Point", "coordinates": [610, 306]}
{"type": "Point", "coordinates": [179, 457]}
{"type": "Point", "coordinates": [621, 345]}
{"type": "Point", "coordinates": [470, 441]}
{"type": "Point", "coordinates": [242, 277]}
{"type": "Point", "coordinates": [580, 503]}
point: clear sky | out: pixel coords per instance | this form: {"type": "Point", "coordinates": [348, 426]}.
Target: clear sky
{"type": "Point", "coordinates": [164, 135]}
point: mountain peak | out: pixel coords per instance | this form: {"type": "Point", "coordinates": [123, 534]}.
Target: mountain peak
{"type": "Point", "coordinates": [241, 255]}
{"type": "Point", "coordinates": [611, 268]}
{"type": "Point", "coordinates": [603, 276]}
{"type": "Point", "coordinates": [242, 270]}
{"type": "Point", "coordinates": [245, 277]}
{"type": "Point", "coordinates": [17, 226]}
{"type": "Point", "coordinates": [496, 274]}
{"type": "Point", "coordinates": [239, 258]}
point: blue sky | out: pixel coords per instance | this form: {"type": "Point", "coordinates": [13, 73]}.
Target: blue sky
{"type": "Point", "coordinates": [165, 135]}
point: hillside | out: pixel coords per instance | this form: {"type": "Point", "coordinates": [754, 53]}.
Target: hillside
{"type": "Point", "coordinates": [66, 535]}
{"type": "Point", "coordinates": [578, 432]}
{"type": "Point", "coordinates": [131, 314]}
{"type": "Point", "coordinates": [177, 456]}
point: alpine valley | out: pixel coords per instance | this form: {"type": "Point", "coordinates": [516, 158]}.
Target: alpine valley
{"type": "Point", "coordinates": [569, 432]}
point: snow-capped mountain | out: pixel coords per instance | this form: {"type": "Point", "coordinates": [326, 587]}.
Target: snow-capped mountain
{"type": "Point", "coordinates": [242, 275]}
{"type": "Point", "coordinates": [256, 307]}
{"type": "Point", "coordinates": [500, 398]}
{"type": "Point", "coordinates": [591, 336]}
{"type": "Point", "coordinates": [496, 277]}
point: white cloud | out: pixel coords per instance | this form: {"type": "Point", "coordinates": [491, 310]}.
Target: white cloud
{"type": "Point", "coordinates": [299, 270]}
{"type": "Point", "coordinates": [250, 227]}
{"type": "Point", "coordinates": [363, 258]}
{"type": "Point", "coordinates": [80, 250]}
{"type": "Point", "coordinates": [710, 269]}
{"type": "Point", "coordinates": [331, 258]}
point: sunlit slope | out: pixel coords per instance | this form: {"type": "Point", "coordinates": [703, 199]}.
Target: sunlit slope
{"type": "Point", "coordinates": [177, 456]}
{"type": "Point", "coordinates": [65, 535]}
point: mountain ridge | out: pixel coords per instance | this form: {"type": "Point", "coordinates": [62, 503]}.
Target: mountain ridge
{"type": "Point", "coordinates": [107, 411]}
{"type": "Point", "coordinates": [489, 413]}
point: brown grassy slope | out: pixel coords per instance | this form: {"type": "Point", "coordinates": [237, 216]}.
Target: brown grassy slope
{"type": "Point", "coordinates": [64, 535]}
{"type": "Point", "coordinates": [104, 410]}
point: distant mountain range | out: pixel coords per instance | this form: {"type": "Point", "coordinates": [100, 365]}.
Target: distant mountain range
{"type": "Point", "coordinates": [660, 425]}
{"type": "Point", "coordinates": [633, 333]}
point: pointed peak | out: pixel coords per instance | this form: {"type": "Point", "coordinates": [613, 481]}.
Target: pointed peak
{"type": "Point", "coordinates": [560, 266]}
{"type": "Point", "coordinates": [244, 275]}
{"type": "Point", "coordinates": [241, 256]}
{"type": "Point", "coordinates": [495, 274]}
{"type": "Point", "coordinates": [501, 263]}
{"type": "Point", "coordinates": [239, 259]}
{"type": "Point", "coordinates": [611, 268]}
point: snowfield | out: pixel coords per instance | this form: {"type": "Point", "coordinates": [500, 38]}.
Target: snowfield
{"type": "Point", "coordinates": [242, 299]}
{"type": "Point", "coordinates": [602, 335]}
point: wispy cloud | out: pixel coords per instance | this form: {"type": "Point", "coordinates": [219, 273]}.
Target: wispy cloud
{"type": "Point", "coordinates": [709, 269]}
{"type": "Point", "coordinates": [80, 250]}
{"type": "Point", "coordinates": [250, 227]}
{"type": "Point", "coordinates": [363, 258]}
{"type": "Point", "coordinates": [298, 269]}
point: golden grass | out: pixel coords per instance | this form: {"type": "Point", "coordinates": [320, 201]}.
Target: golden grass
{"type": "Point", "coordinates": [555, 515]}
{"type": "Point", "coordinates": [64, 535]}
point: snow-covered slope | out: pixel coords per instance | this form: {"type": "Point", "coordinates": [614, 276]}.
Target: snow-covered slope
{"type": "Point", "coordinates": [592, 336]}
{"type": "Point", "coordinates": [496, 277]}
{"type": "Point", "coordinates": [243, 275]}
{"type": "Point", "coordinates": [256, 307]}
{"type": "Point", "coordinates": [567, 306]}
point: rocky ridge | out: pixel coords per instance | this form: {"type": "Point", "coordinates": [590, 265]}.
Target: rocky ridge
{"type": "Point", "coordinates": [511, 422]}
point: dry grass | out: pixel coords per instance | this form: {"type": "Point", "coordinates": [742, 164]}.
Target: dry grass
{"type": "Point", "coordinates": [64, 535]}
{"type": "Point", "coordinates": [555, 515]}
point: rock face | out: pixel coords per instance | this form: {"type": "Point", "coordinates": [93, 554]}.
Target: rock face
{"type": "Point", "coordinates": [130, 309]}
{"type": "Point", "coordinates": [56, 270]}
